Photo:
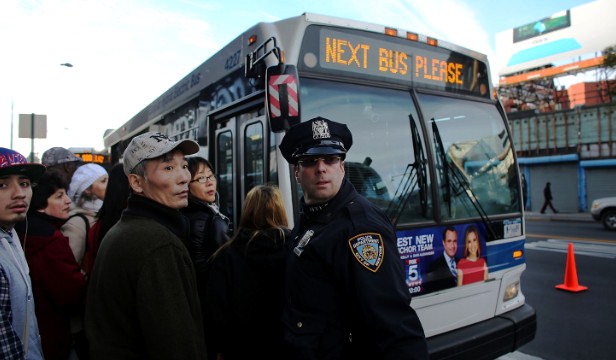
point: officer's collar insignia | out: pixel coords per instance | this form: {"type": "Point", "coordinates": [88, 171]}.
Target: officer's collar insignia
{"type": "Point", "coordinates": [320, 130]}
{"type": "Point", "coordinates": [316, 208]}
{"type": "Point", "coordinates": [303, 242]}
{"type": "Point", "coordinates": [368, 249]}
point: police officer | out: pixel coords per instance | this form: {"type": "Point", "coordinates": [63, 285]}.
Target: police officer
{"type": "Point", "coordinates": [345, 292]}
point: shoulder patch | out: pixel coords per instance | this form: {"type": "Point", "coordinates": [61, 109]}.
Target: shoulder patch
{"type": "Point", "coordinates": [368, 249]}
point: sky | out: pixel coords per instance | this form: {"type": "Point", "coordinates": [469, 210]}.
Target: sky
{"type": "Point", "coordinates": [125, 53]}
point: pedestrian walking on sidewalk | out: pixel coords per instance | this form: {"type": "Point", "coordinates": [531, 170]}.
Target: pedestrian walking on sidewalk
{"type": "Point", "coordinates": [547, 198]}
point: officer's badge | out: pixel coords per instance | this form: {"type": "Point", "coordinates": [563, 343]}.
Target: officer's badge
{"type": "Point", "coordinates": [320, 130]}
{"type": "Point", "coordinates": [303, 242]}
{"type": "Point", "coordinates": [368, 249]}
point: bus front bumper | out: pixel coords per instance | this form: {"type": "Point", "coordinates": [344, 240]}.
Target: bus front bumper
{"type": "Point", "coordinates": [488, 339]}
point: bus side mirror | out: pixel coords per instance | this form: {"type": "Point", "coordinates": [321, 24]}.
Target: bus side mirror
{"type": "Point", "coordinates": [282, 97]}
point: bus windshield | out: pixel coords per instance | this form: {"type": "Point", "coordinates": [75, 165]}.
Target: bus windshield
{"type": "Point", "coordinates": [474, 157]}
{"type": "Point", "coordinates": [381, 163]}
{"type": "Point", "coordinates": [475, 165]}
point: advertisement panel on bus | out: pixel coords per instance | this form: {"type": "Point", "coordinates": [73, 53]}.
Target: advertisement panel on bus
{"type": "Point", "coordinates": [438, 258]}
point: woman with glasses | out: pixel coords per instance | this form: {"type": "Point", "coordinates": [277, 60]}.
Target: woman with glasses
{"type": "Point", "coordinates": [208, 226]}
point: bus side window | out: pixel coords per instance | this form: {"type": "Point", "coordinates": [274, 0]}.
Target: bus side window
{"type": "Point", "coordinates": [254, 162]}
{"type": "Point", "coordinates": [224, 164]}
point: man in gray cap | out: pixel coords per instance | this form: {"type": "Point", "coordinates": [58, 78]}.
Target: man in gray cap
{"type": "Point", "coordinates": [142, 298]}
{"type": "Point", "coordinates": [345, 290]}
{"type": "Point", "coordinates": [61, 161]}
{"type": "Point", "coordinates": [19, 333]}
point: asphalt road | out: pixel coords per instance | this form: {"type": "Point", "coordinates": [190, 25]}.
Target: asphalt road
{"type": "Point", "coordinates": [570, 325]}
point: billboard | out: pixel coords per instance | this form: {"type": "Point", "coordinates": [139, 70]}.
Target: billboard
{"type": "Point", "coordinates": [568, 34]}
{"type": "Point", "coordinates": [439, 258]}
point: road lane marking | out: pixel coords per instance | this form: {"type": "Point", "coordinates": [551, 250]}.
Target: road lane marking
{"type": "Point", "coordinates": [596, 249]}
{"type": "Point", "coordinates": [572, 238]}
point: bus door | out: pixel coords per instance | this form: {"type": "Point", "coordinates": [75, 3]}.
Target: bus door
{"type": "Point", "coordinates": [241, 159]}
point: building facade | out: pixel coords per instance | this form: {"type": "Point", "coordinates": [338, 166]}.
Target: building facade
{"type": "Point", "coordinates": [573, 149]}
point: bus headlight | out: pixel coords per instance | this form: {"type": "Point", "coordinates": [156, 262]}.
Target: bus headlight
{"type": "Point", "coordinates": [511, 291]}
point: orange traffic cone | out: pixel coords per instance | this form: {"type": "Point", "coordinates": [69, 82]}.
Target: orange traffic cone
{"type": "Point", "coordinates": [571, 279]}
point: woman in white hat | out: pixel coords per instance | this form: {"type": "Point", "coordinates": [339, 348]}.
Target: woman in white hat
{"type": "Point", "coordinates": [87, 191]}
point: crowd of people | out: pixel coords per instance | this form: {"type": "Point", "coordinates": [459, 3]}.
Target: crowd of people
{"type": "Point", "coordinates": [138, 262]}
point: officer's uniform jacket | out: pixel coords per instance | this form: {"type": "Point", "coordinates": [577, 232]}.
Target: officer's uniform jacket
{"type": "Point", "coordinates": [346, 296]}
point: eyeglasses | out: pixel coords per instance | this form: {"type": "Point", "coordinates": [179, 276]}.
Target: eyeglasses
{"type": "Point", "coordinates": [204, 179]}
{"type": "Point", "coordinates": [313, 160]}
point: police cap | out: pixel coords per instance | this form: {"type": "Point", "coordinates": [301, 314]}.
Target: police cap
{"type": "Point", "coordinates": [318, 136]}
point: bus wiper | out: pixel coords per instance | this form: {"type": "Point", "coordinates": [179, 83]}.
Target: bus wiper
{"type": "Point", "coordinates": [420, 167]}
{"type": "Point", "coordinates": [402, 194]}
{"type": "Point", "coordinates": [461, 185]}
{"type": "Point", "coordinates": [414, 176]}
{"type": "Point", "coordinates": [441, 166]}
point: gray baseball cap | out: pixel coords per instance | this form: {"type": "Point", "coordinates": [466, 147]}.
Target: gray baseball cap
{"type": "Point", "coordinates": [152, 145]}
{"type": "Point", "coordinates": [58, 155]}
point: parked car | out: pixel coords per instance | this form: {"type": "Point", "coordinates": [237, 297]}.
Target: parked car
{"type": "Point", "coordinates": [604, 210]}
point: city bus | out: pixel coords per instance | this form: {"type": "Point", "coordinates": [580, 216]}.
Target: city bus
{"type": "Point", "coordinates": [432, 149]}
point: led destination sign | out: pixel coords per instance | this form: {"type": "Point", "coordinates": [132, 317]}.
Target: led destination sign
{"type": "Point", "coordinates": [410, 62]}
